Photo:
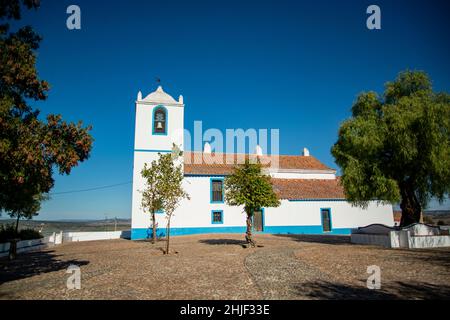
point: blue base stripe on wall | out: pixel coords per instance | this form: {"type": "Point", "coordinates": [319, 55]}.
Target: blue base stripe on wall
{"type": "Point", "coordinates": [142, 233]}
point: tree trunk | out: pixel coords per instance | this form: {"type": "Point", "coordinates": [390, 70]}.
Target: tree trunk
{"type": "Point", "coordinates": [153, 228]}
{"type": "Point", "coordinates": [248, 235]}
{"type": "Point", "coordinates": [410, 205]}
{"type": "Point", "coordinates": [168, 236]}
{"type": "Point", "coordinates": [13, 242]}
{"type": "Point", "coordinates": [17, 224]}
{"type": "Point", "coordinates": [12, 249]}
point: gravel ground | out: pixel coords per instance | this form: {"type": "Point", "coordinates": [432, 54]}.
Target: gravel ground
{"type": "Point", "coordinates": [217, 267]}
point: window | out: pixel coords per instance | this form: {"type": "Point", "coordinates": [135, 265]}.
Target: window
{"type": "Point", "coordinates": [326, 220]}
{"type": "Point", "coordinates": [217, 217]}
{"type": "Point", "coordinates": [160, 120]}
{"type": "Point", "coordinates": [217, 190]}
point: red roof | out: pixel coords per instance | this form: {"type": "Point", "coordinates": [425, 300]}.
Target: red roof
{"type": "Point", "coordinates": [223, 163]}
{"type": "Point", "coordinates": [297, 189]}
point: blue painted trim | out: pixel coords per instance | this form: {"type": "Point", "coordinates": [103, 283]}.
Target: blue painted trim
{"type": "Point", "coordinates": [211, 190]}
{"type": "Point", "coordinates": [160, 106]}
{"type": "Point", "coordinates": [298, 200]}
{"type": "Point", "coordinates": [212, 216]}
{"type": "Point", "coordinates": [146, 233]}
{"type": "Point", "coordinates": [151, 150]}
{"type": "Point", "coordinates": [329, 214]}
{"type": "Point", "coordinates": [161, 211]}
{"type": "Point", "coordinates": [305, 230]}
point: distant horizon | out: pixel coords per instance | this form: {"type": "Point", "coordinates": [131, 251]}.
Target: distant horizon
{"type": "Point", "coordinates": [434, 207]}
{"type": "Point", "coordinates": [65, 220]}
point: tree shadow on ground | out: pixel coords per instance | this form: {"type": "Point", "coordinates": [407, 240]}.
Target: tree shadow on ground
{"type": "Point", "coordinates": [326, 239]}
{"type": "Point", "coordinates": [32, 264]}
{"type": "Point", "coordinates": [394, 291]}
{"type": "Point", "coordinates": [223, 241]}
{"type": "Point", "coordinates": [439, 256]}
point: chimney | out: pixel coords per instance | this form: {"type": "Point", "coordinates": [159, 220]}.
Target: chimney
{"type": "Point", "coordinates": [207, 148]}
{"type": "Point", "coordinates": [305, 152]}
{"type": "Point", "coordinates": [258, 150]}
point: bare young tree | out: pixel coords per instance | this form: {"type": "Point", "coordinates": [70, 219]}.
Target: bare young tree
{"type": "Point", "coordinates": [170, 184]}
{"type": "Point", "coordinates": [151, 196]}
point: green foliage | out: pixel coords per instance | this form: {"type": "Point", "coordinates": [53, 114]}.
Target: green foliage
{"type": "Point", "coordinates": [170, 182]}
{"type": "Point", "coordinates": [30, 148]}
{"type": "Point", "coordinates": [8, 232]}
{"type": "Point", "coordinates": [151, 196]}
{"type": "Point", "coordinates": [397, 147]}
{"type": "Point", "coordinates": [29, 234]}
{"type": "Point", "coordinates": [163, 183]}
{"type": "Point", "coordinates": [248, 187]}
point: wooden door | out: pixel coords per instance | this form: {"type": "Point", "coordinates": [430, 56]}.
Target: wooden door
{"type": "Point", "coordinates": [326, 220]}
{"type": "Point", "coordinates": [258, 221]}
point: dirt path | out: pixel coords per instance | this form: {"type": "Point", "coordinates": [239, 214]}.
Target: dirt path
{"type": "Point", "coordinates": [278, 274]}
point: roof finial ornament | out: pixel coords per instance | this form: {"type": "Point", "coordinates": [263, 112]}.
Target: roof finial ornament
{"type": "Point", "coordinates": [158, 83]}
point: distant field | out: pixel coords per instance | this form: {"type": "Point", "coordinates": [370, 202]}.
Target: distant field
{"type": "Point", "coordinates": [48, 227]}
{"type": "Point", "coordinates": [437, 216]}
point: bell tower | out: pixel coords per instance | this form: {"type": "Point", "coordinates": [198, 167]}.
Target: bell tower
{"type": "Point", "coordinates": [159, 124]}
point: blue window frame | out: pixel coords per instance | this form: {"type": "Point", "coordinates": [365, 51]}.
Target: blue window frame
{"type": "Point", "coordinates": [325, 214]}
{"type": "Point", "coordinates": [160, 211]}
{"type": "Point", "coordinates": [160, 119]}
{"type": "Point", "coordinates": [217, 216]}
{"type": "Point", "coordinates": [216, 193]}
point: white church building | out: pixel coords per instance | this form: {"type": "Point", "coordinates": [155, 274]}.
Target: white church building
{"type": "Point", "coordinates": [312, 200]}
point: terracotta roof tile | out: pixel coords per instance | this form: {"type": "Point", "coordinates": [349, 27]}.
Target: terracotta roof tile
{"type": "Point", "coordinates": [297, 189]}
{"type": "Point", "coordinates": [223, 164]}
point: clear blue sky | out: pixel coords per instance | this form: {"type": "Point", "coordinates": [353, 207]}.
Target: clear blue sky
{"type": "Point", "coordinates": [292, 65]}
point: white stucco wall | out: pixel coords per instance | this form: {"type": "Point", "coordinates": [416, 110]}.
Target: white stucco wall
{"type": "Point", "coordinates": [145, 140]}
{"type": "Point", "coordinates": [196, 212]}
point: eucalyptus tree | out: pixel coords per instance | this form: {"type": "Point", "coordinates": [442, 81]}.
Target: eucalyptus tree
{"type": "Point", "coordinates": [396, 146]}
